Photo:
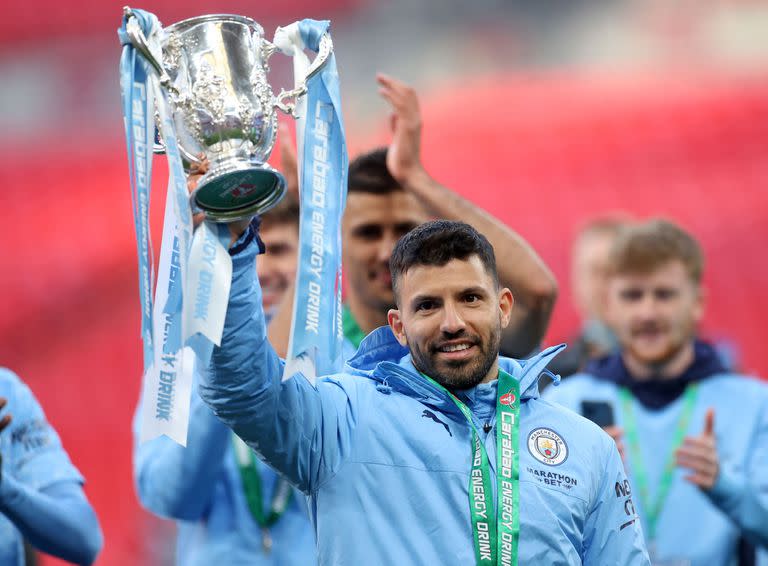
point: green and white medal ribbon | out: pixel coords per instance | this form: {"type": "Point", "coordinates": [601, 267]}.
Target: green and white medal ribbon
{"type": "Point", "coordinates": [254, 494]}
{"type": "Point", "coordinates": [653, 508]}
{"type": "Point", "coordinates": [496, 532]}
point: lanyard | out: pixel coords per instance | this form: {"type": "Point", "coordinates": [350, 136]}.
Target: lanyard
{"type": "Point", "coordinates": [495, 534]}
{"type": "Point", "coordinates": [653, 508]}
{"type": "Point", "coordinates": [249, 473]}
{"type": "Point", "coordinates": [352, 330]}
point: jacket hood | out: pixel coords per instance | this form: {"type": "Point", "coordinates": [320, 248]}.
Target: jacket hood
{"type": "Point", "coordinates": [382, 358]}
{"type": "Point", "coordinates": [656, 393]}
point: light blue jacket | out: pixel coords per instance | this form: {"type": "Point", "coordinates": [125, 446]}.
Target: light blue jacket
{"type": "Point", "coordinates": [41, 495]}
{"type": "Point", "coordinates": [200, 486]}
{"type": "Point", "coordinates": [387, 483]}
{"type": "Point", "coordinates": [694, 524]}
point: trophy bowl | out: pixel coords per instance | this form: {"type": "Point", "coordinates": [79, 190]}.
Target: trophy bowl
{"type": "Point", "coordinates": [214, 72]}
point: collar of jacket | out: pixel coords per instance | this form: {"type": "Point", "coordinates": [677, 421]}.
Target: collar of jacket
{"type": "Point", "coordinates": [657, 392]}
{"type": "Point", "coordinates": [382, 358]}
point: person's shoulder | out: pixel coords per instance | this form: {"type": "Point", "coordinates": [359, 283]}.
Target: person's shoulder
{"type": "Point", "coordinates": [742, 383]}
{"type": "Point", "coordinates": [349, 382]}
{"type": "Point", "coordinates": [736, 390]}
{"type": "Point", "coordinates": [13, 388]}
{"type": "Point", "coordinates": [577, 387]}
{"type": "Point", "coordinates": [9, 377]}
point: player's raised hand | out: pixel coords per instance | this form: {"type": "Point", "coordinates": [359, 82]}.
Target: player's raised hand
{"type": "Point", "coordinates": [197, 170]}
{"type": "Point", "coordinates": [404, 153]}
{"type": "Point", "coordinates": [288, 162]}
{"type": "Point", "coordinates": [699, 454]}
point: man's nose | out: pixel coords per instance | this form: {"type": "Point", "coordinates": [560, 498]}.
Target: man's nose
{"type": "Point", "coordinates": [452, 321]}
{"type": "Point", "coordinates": [647, 306]}
{"type": "Point", "coordinates": [264, 267]}
{"type": "Point", "coordinates": [386, 245]}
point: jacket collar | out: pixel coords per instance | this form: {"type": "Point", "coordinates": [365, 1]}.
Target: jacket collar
{"type": "Point", "coordinates": [657, 392]}
{"type": "Point", "coordinates": [382, 358]}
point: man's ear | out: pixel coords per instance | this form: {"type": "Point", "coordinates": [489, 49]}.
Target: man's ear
{"type": "Point", "coordinates": [396, 324]}
{"type": "Point", "coordinates": [506, 302]}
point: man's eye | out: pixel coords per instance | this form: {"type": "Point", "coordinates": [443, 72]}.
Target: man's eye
{"type": "Point", "coordinates": [665, 294]}
{"type": "Point", "coordinates": [631, 295]}
{"type": "Point", "coordinates": [277, 249]}
{"type": "Point", "coordinates": [368, 233]}
{"type": "Point", "coordinates": [471, 298]}
{"type": "Point", "coordinates": [402, 229]}
{"type": "Point", "coordinates": [425, 306]}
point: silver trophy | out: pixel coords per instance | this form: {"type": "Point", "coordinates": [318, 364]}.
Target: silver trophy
{"type": "Point", "coordinates": [214, 71]}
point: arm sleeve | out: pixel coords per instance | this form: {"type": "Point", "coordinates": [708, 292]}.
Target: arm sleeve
{"type": "Point", "coordinates": [40, 489]}
{"type": "Point", "coordinates": [57, 520]}
{"type": "Point", "coordinates": [175, 481]}
{"type": "Point", "coordinates": [612, 534]}
{"type": "Point", "coordinates": [742, 494]}
{"type": "Point", "coordinates": [301, 431]}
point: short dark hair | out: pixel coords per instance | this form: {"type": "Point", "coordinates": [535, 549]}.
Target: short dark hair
{"type": "Point", "coordinates": [284, 212]}
{"type": "Point", "coordinates": [644, 248]}
{"type": "Point", "coordinates": [368, 173]}
{"type": "Point", "coordinates": [436, 243]}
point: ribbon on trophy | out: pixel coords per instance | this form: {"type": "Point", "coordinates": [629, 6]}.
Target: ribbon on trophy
{"type": "Point", "coordinates": [194, 273]}
{"type": "Point", "coordinates": [316, 330]}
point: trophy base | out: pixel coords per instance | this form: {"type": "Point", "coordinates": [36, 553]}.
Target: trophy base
{"type": "Point", "coordinates": [238, 190]}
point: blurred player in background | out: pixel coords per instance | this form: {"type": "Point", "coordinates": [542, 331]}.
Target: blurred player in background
{"type": "Point", "coordinates": [694, 435]}
{"type": "Point", "coordinates": [589, 281]}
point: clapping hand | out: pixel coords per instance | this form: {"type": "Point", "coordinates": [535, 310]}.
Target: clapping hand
{"type": "Point", "coordinates": [699, 454]}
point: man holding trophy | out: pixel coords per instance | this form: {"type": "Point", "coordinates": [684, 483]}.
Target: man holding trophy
{"type": "Point", "coordinates": [413, 453]}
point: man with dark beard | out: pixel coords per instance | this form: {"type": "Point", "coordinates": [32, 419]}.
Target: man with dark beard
{"type": "Point", "coordinates": [694, 436]}
{"type": "Point", "coordinates": [430, 448]}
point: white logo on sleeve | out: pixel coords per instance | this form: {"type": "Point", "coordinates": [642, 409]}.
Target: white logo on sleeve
{"type": "Point", "coordinates": [547, 446]}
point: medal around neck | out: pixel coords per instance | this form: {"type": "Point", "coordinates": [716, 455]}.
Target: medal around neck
{"type": "Point", "coordinates": [213, 71]}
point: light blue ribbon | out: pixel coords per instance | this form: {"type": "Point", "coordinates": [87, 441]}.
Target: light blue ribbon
{"type": "Point", "coordinates": [317, 331]}
{"type": "Point", "coordinates": [139, 128]}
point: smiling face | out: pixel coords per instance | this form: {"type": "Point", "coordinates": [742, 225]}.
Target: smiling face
{"type": "Point", "coordinates": [451, 318]}
{"type": "Point", "coordinates": [372, 224]}
{"type": "Point", "coordinates": [655, 314]}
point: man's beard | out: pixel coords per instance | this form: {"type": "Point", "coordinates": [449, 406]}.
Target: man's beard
{"type": "Point", "coordinates": [460, 374]}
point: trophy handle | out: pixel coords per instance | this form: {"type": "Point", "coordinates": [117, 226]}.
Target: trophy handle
{"type": "Point", "coordinates": [139, 42]}
{"type": "Point", "coordinates": [283, 99]}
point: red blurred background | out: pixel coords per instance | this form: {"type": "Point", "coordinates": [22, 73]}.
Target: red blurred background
{"type": "Point", "coordinates": [544, 147]}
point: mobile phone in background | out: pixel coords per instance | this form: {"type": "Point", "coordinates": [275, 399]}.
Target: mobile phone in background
{"type": "Point", "coordinates": [599, 412]}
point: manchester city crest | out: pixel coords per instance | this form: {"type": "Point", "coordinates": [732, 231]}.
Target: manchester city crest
{"type": "Point", "coordinates": [547, 446]}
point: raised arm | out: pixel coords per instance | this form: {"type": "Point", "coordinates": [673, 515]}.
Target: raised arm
{"type": "Point", "coordinates": [302, 431]}
{"type": "Point", "coordinates": [177, 482]}
{"type": "Point", "coordinates": [532, 283]}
